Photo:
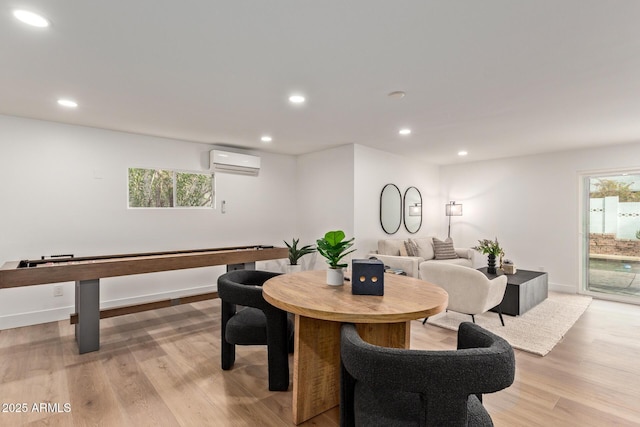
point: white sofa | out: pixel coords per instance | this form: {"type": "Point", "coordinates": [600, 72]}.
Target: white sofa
{"type": "Point", "coordinates": [391, 253]}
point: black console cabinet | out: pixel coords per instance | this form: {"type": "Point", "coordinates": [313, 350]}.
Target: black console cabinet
{"type": "Point", "coordinates": [525, 290]}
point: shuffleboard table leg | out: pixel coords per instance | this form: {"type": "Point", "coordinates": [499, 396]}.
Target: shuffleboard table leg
{"type": "Point", "coordinates": [88, 309]}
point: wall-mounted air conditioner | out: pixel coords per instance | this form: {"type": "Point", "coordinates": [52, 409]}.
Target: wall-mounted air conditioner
{"type": "Point", "coordinates": [228, 162]}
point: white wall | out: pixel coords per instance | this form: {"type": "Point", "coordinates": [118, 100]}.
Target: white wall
{"type": "Point", "coordinates": [373, 170]}
{"type": "Point", "coordinates": [340, 188]}
{"type": "Point", "coordinates": [531, 204]}
{"type": "Point", "coordinates": [325, 192]}
{"type": "Point", "coordinates": [65, 191]}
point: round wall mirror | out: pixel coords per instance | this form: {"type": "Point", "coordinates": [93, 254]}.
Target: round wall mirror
{"type": "Point", "coordinates": [412, 210]}
{"type": "Point", "coordinates": [390, 208]}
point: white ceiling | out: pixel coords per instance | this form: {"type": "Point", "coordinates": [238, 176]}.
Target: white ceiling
{"type": "Point", "coordinates": [494, 77]}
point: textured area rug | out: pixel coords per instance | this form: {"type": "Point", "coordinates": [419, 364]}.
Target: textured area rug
{"type": "Point", "coordinates": [537, 331]}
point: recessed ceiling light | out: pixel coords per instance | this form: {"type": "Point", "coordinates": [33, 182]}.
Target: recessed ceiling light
{"type": "Point", "coordinates": [398, 94]}
{"type": "Point", "coordinates": [266, 138]}
{"type": "Point", "coordinates": [67, 103]}
{"type": "Point", "coordinates": [462, 153]}
{"type": "Point", "coordinates": [404, 131]}
{"type": "Point", "coordinates": [296, 99]}
{"type": "Point", "coordinates": [31, 18]}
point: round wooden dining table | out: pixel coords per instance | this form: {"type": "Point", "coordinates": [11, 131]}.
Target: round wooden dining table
{"type": "Point", "coordinates": [320, 310]}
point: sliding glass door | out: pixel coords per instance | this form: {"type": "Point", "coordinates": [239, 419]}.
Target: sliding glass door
{"type": "Point", "coordinates": [611, 243]}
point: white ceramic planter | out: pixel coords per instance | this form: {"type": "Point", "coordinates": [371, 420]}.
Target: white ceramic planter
{"type": "Point", "coordinates": [335, 277]}
{"type": "Point", "coordinates": [293, 268]}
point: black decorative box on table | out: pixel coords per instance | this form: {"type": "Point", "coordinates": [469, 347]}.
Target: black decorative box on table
{"type": "Point", "coordinates": [367, 277]}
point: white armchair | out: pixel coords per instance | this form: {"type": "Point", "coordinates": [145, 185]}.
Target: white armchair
{"type": "Point", "coordinates": [470, 291]}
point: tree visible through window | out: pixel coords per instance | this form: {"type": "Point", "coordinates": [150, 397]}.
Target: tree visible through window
{"type": "Point", "coordinates": [610, 187]}
{"type": "Point", "coordinates": [159, 188]}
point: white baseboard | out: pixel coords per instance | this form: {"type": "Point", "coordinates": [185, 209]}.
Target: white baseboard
{"type": "Point", "coordinates": [19, 320]}
{"type": "Point", "coordinates": [54, 315]}
{"type": "Point", "coordinates": [567, 289]}
{"type": "Point", "coordinates": [140, 299]}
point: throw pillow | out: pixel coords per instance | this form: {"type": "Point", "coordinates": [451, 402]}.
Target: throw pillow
{"type": "Point", "coordinates": [412, 249]}
{"type": "Point", "coordinates": [425, 247]}
{"type": "Point", "coordinates": [444, 250]}
{"type": "Point", "coordinates": [403, 250]}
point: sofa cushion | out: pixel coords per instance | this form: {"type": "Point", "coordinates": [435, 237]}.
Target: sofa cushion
{"type": "Point", "coordinates": [444, 249]}
{"type": "Point", "coordinates": [425, 247]}
{"type": "Point", "coordinates": [390, 246]}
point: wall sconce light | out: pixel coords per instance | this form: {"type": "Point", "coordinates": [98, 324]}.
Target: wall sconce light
{"type": "Point", "coordinates": [452, 209]}
{"type": "Point", "coordinates": [415, 209]}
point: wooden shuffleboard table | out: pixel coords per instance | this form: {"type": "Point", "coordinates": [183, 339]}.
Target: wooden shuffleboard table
{"type": "Point", "coordinates": [86, 272]}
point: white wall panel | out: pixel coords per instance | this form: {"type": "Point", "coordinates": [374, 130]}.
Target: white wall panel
{"type": "Point", "coordinates": [65, 191]}
{"type": "Point", "coordinates": [531, 204]}
{"type": "Point", "coordinates": [373, 170]}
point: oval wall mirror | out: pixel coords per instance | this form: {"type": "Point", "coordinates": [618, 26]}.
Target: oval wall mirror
{"type": "Point", "coordinates": [412, 210]}
{"type": "Point", "coordinates": [390, 208]}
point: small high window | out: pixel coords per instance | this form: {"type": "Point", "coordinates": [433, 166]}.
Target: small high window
{"type": "Point", "coordinates": [161, 188]}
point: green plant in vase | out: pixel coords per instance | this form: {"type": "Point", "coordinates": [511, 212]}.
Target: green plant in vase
{"type": "Point", "coordinates": [334, 248]}
{"type": "Point", "coordinates": [492, 249]}
{"type": "Point", "coordinates": [295, 252]}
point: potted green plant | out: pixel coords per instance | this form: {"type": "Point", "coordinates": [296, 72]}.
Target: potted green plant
{"type": "Point", "coordinates": [492, 249]}
{"type": "Point", "coordinates": [295, 253]}
{"type": "Point", "coordinates": [334, 247]}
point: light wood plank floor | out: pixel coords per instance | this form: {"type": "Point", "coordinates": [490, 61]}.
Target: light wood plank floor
{"type": "Point", "coordinates": [161, 368]}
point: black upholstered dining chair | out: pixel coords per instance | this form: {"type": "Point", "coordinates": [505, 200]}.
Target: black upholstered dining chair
{"type": "Point", "coordinates": [255, 323]}
{"type": "Point", "coordinates": [382, 386]}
